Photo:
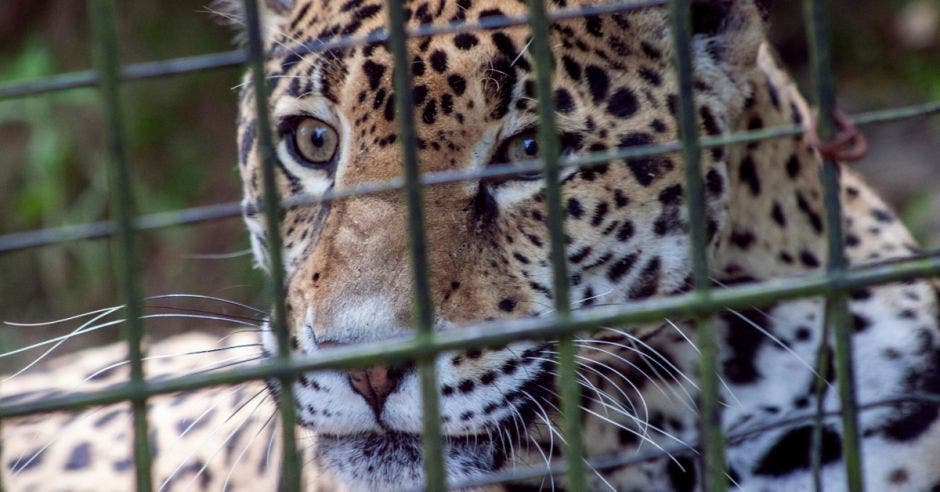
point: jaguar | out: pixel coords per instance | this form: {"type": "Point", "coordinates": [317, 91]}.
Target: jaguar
{"type": "Point", "coordinates": [348, 279]}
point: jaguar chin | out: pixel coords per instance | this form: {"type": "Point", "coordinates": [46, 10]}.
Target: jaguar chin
{"type": "Point", "coordinates": [393, 460]}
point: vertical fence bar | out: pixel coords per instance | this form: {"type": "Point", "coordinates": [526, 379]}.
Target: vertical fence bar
{"type": "Point", "coordinates": [568, 387]}
{"type": "Point", "coordinates": [821, 365]}
{"type": "Point", "coordinates": [435, 476]}
{"type": "Point", "coordinates": [290, 462]}
{"type": "Point", "coordinates": [107, 63]}
{"type": "Point", "coordinates": [712, 438]}
{"type": "Point", "coordinates": [837, 311]}
{"type": "Point", "coordinates": [2, 489]}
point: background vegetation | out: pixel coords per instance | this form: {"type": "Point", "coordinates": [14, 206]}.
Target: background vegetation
{"type": "Point", "coordinates": [182, 152]}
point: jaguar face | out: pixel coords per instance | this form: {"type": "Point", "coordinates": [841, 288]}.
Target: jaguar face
{"type": "Point", "coordinates": [346, 262]}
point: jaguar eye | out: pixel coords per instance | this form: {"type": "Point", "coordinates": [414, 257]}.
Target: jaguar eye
{"type": "Point", "coordinates": [314, 141]}
{"type": "Point", "coordinates": [523, 147]}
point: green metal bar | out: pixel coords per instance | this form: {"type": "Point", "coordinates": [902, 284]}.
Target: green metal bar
{"type": "Point", "coordinates": [569, 389]}
{"type": "Point", "coordinates": [291, 479]}
{"type": "Point", "coordinates": [2, 489]}
{"type": "Point", "coordinates": [502, 333]}
{"type": "Point", "coordinates": [712, 439]}
{"type": "Point", "coordinates": [837, 309]}
{"type": "Point", "coordinates": [136, 71]}
{"type": "Point", "coordinates": [18, 241]}
{"type": "Point", "coordinates": [821, 385]}
{"type": "Point", "coordinates": [691, 148]}
{"type": "Point", "coordinates": [177, 66]}
{"type": "Point", "coordinates": [102, 14]}
{"type": "Point", "coordinates": [619, 461]}
{"type": "Point", "coordinates": [425, 345]}
{"type": "Point", "coordinates": [432, 441]}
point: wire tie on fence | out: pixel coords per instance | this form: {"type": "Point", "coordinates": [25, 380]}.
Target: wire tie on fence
{"type": "Point", "coordinates": [849, 145]}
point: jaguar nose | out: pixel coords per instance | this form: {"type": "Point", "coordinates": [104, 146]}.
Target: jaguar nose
{"type": "Point", "coordinates": [375, 384]}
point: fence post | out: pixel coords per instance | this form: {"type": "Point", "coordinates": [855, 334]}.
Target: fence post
{"type": "Point", "coordinates": [107, 64]}
{"type": "Point", "coordinates": [423, 309]}
{"type": "Point", "coordinates": [2, 489]}
{"type": "Point", "coordinates": [837, 310]}
{"type": "Point", "coordinates": [290, 461]}
{"type": "Point", "coordinates": [712, 438]}
{"type": "Point", "coordinates": [569, 388]}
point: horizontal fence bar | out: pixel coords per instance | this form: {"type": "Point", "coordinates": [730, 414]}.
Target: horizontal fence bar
{"type": "Point", "coordinates": [19, 241]}
{"type": "Point", "coordinates": [137, 71]}
{"type": "Point", "coordinates": [98, 230]}
{"type": "Point", "coordinates": [621, 460]}
{"type": "Point", "coordinates": [177, 66]}
{"type": "Point", "coordinates": [487, 23]}
{"type": "Point", "coordinates": [501, 333]}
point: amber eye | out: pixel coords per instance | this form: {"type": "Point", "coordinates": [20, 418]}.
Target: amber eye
{"type": "Point", "coordinates": [523, 147]}
{"type": "Point", "coordinates": [315, 142]}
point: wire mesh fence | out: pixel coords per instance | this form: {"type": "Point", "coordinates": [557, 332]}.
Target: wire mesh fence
{"type": "Point", "coordinates": [700, 304]}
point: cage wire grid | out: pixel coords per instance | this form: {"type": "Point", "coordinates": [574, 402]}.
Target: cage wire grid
{"type": "Point", "coordinates": [698, 305]}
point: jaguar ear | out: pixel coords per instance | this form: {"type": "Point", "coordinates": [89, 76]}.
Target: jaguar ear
{"type": "Point", "coordinates": [733, 29]}
{"type": "Point", "coordinates": [272, 13]}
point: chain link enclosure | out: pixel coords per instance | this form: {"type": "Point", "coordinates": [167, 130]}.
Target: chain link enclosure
{"type": "Point", "coordinates": [700, 304]}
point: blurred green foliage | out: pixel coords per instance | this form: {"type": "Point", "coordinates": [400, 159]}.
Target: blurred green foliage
{"type": "Point", "coordinates": [50, 181]}
{"type": "Point", "coordinates": [180, 141]}
{"type": "Point", "coordinates": [871, 56]}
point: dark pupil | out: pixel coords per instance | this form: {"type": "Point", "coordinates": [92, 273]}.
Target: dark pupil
{"type": "Point", "coordinates": [530, 146]}
{"type": "Point", "coordinates": [317, 137]}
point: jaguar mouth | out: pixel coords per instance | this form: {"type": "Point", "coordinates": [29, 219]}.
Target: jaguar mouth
{"type": "Point", "coordinates": [396, 439]}
{"type": "Point", "coordinates": [394, 460]}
